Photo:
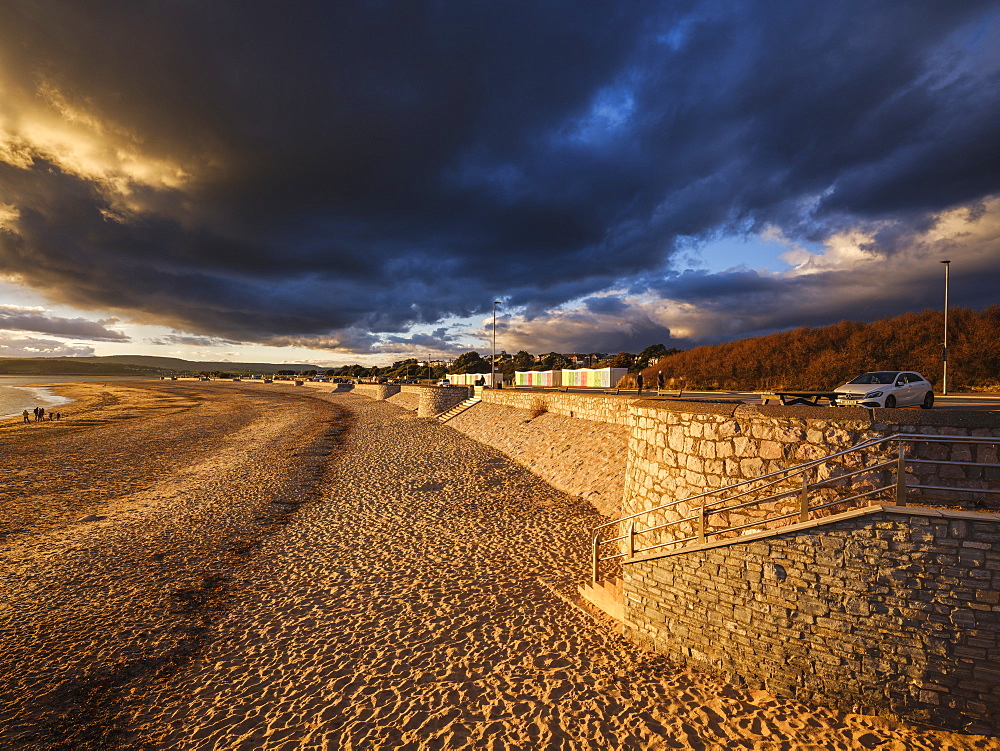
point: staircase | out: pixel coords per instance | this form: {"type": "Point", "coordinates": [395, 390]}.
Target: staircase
{"type": "Point", "coordinates": [889, 470]}
{"type": "Point", "coordinates": [606, 596]}
{"type": "Point", "coordinates": [458, 409]}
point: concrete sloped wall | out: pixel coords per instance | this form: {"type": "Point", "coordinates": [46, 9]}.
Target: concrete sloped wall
{"type": "Point", "coordinates": [579, 457]}
{"type": "Point", "coordinates": [626, 454]}
{"type": "Point", "coordinates": [595, 407]}
{"type": "Point", "coordinates": [426, 401]}
{"type": "Point", "coordinates": [376, 390]}
{"type": "Point", "coordinates": [408, 397]}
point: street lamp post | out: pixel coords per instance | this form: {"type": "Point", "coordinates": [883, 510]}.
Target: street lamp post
{"type": "Point", "coordinates": [493, 362]}
{"type": "Point", "coordinates": [944, 353]}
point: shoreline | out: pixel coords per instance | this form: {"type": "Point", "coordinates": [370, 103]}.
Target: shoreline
{"type": "Point", "coordinates": [82, 395]}
{"type": "Point", "coordinates": [40, 395]}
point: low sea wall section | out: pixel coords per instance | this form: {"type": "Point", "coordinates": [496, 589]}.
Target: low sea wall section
{"type": "Point", "coordinates": [426, 401]}
{"type": "Point", "coordinates": [882, 609]}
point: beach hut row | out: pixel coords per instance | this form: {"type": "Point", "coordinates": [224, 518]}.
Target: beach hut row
{"type": "Point", "coordinates": [545, 378]}
{"type": "Point", "coordinates": [469, 379]}
{"type": "Point", "coordinates": [595, 378]}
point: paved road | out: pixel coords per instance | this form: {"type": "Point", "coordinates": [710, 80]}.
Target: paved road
{"type": "Point", "coordinates": [978, 401]}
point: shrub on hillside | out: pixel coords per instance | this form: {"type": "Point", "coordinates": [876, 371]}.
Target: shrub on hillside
{"type": "Point", "coordinates": [823, 358]}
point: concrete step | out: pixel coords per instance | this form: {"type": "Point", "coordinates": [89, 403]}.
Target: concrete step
{"type": "Point", "coordinates": [458, 409]}
{"type": "Point", "coordinates": [606, 596]}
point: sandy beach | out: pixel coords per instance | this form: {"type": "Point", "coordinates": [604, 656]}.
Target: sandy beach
{"type": "Point", "coordinates": [274, 569]}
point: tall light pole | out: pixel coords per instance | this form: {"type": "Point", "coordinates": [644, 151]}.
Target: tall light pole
{"type": "Point", "coordinates": [944, 353]}
{"type": "Point", "coordinates": [493, 362]}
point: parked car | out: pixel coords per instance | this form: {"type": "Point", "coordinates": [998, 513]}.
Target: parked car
{"type": "Point", "coordinates": [444, 382]}
{"type": "Point", "coordinates": [887, 388]}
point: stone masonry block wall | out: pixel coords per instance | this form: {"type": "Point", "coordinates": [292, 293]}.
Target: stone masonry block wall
{"type": "Point", "coordinates": [579, 457]}
{"type": "Point", "coordinates": [950, 423]}
{"type": "Point", "coordinates": [877, 611]}
{"type": "Point", "coordinates": [412, 396]}
{"type": "Point", "coordinates": [596, 407]}
{"type": "Point", "coordinates": [680, 449]}
{"type": "Point", "coordinates": [437, 399]}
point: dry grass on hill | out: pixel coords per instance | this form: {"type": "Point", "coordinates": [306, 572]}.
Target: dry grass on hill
{"type": "Point", "coordinates": [823, 358]}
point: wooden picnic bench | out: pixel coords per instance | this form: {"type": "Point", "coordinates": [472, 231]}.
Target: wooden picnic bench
{"type": "Point", "coordinates": [669, 392]}
{"type": "Point", "coordinates": [799, 398]}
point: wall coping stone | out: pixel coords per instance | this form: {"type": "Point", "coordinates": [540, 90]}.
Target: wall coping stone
{"type": "Point", "coordinates": [955, 418]}
{"type": "Point", "coordinates": [980, 516]}
{"type": "Point", "coordinates": [838, 414]}
{"type": "Point", "coordinates": [726, 409]}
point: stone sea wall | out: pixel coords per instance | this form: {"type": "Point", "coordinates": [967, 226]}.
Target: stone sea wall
{"type": "Point", "coordinates": [435, 400]}
{"type": "Point", "coordinates": [890, 612]}
{"type": "Point", "coordinates": [677, 450]}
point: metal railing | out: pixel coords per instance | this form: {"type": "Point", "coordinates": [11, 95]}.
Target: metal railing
{"type": "Point", "coordinates": [816, 485]}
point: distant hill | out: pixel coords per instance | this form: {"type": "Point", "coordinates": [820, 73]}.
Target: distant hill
{"type": "Point", "coordinates": [138, 365]}
{"type": "Point", "coordinates": [818, 359]}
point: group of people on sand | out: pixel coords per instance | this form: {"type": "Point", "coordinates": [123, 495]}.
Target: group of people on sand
{"type": "Point", "coordinates": [40, 415]}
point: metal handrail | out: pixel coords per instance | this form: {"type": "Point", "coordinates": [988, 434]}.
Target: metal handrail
{"type": "Point", "coordinates": [705, 508]}
{"type": "Point", "coordinates": [806, 465]}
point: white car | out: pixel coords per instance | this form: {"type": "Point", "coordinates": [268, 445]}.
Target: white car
{"type": "Point", "coordinates": [887, 388]}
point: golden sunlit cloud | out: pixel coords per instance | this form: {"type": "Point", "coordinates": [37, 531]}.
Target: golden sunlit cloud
{"type": "Point", "coordinates": [8, 216]}
{"type": "Point", "coordinates": [970, 232]}
{"type": "Point", "coordinates": [44, 125]}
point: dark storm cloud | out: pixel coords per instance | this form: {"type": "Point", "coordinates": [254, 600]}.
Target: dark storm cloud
{"type": "Point", "coordinates": [313, 173]}
{"type": "Point", "coordinates": [607, 305]}
{"type": "Point", "coordinates": [437, 340]}
{"type": "Point", "coordinates": [25, 319]}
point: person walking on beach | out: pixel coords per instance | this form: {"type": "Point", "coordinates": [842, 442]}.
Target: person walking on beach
{"type": "Point", "coordinates": [25, 415]}
{"type": "Point", "coordinates": [638, 380]}
{"type": "Point", "coordinates": [659, 380]}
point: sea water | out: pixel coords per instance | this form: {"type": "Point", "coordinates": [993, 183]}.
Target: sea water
{"type": "Point", "coordinates": [15, 399]}
{"type": "Point", "coordinates": [18, 393]}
